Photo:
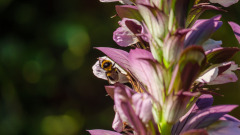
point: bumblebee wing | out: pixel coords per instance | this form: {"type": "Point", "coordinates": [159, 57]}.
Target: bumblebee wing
{"type": "Point", "coordinates": [98, 71]}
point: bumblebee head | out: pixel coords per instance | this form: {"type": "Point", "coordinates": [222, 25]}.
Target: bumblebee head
{"type": "Point", "coordinates": [106, 65]}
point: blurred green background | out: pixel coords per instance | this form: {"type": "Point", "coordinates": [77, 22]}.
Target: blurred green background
{"type": "Point", "coordinates": [46, 58]}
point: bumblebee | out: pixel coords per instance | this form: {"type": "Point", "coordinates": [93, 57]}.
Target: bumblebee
{"type": "Point", "coordinates": [106, 69]}
{"type": "Point", "coordinates": [111, 71]}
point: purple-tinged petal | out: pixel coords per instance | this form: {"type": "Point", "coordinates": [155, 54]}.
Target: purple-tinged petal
{"type": "Point", "coordinates": [173, 46]}
{"type": "Point", "coordinates": [224, 128]}
{"type": "Point", "coordinates": [122, 1]}
{"type": "Point", "coordinates": [127, 34]}
{"type": "Point", "coordinates": [175, 107]}
{"type": "Point", "coordinates": [133, 25]}
{"type": "Point", "coordinates": [110, 0]}
{"type": "Point", "coordinates": [225, 74]}
{"type": "Point", "coordinates": [143, 106]}
{"type": "Point", "coordinates": [204, 101]}
{"type": "Point", "coordinates": [236, 30]}
{"type": "Point", "coordinates": [220, 55]}
{"type": "Point", "coordinates": [122, 99]}
{"type": "Point", "coordinates": [124, 37]}
{"type": "Point", "coordinates": [187, 69]}
{"type": "Point", "coordinates": [225, 3]}
{"type": "Point", "coordinates": [195, 132]}
{"type": "Point", "coordinates": [102, 132]}
{"type": "Point", "coordinates": [117, 55]}
{"type": "Point", "coordinates": [110, 90]}
{"type": "Point", "coordinates": [181, 12]}
{"type": "Point", "coordinates": [128, 11]}
{"type": "Point", "coordinates": [229, 118]}
{"type": "Point", "coordinates": [202, 30]}
{"type": "Point", "coordinates": [117, 124]}
{"type": "Point", "coordinates": [143, 2]}
{"type": "Point", "coordinates": [207, 116]}
{"type": "Point", "coordinates": [155, 20]}
{"type": "Point", "coordinates": [149, 74]}
{"type": "Point", "coordinates": [197, 10]}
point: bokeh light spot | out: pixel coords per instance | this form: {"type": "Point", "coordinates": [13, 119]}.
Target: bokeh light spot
{"type": "Point", "coordinates": [71, 61]}
{"type": "Point", "coordinates": [78, 41]}
{"type": "Point", "coordinates": [32, 71]}
{"type": "Point", "coordinates": [59, 125]}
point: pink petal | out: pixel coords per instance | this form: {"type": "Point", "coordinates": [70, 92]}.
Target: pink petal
{"type": "Point", "coordinates": [195, 132]}
{"type": "Point", "coordinates": [124, 37]}
{"type": "Point", "coordinates": [236, 30]}
{"type": "Point", "coordinates": [224, 128]}
{"type": "Point", "coordinates": [102, 132]}
{"type": "Point", "coordinates": [117, 55]}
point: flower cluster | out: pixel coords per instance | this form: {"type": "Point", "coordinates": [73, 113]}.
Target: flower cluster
{"type": "Point", "coordinates": [169, 69]}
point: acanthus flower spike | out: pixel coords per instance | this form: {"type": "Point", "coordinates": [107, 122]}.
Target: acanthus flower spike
{"type": "Point", "coordinates": [161, 85]}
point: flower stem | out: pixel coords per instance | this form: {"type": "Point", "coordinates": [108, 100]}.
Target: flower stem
{"type": "Point", "coordinates": [166, 128]}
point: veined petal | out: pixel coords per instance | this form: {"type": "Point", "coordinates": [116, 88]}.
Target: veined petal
{"type": "Point", "coordinates": [117, 124]}
{"type": "Point", "coordinates": [202, 30]}
{"type": "Point", "coordinates": [121, 1]}
{"type": "Point", "coordinates": [209, 76]}
{"type": "Point", "coordinates": [236, 30]}
{"type": "Point", "coordinates": [187, 69]}
{"type": "Point", "coordinates": [143, 106]}
{"type": "Point", "coordinates": [155, 20]}
{"type": "Point", "coordinates": [197, 10]}
{"type": "Point", "coordinates": [110, 90]}
{"type": "Point", "coordinates": [224, 128]}
{"type": "Point", "coordinates": [220, 55]}
{"type": "Point", "coordinates": [207, 116]}
{"type": "Point", "coordinates": [195, 132]}
{"type": "Point", "coordinates": [128, 33]}
{"type": "Point", "coordinates": [102, 132]}
{"type": "Point", "coordinates": [204, 101]}
{"type": "Point", "coordinates": [227, 75]}
{"type": "Point", "coordinates": [122, 99]}
{"type": "Point", "coordinates": [148, 73]}
{"type": "Point", "coordinates": [128, 11]}
{"type": "Point", "coordinates": [117, 55]}
{"type": "Point", "coordinates": [181, 12]}
{"type": "Point", "coordinates": [124, 37]}
{"type": "Point", "coordinates": [225, 3]}
{"type": "Point", "coordinates": [229, 118]}
{"type": "Point", "coordinates": [221, 74]}
{"type": "Point", "coordinates": [173, 46]}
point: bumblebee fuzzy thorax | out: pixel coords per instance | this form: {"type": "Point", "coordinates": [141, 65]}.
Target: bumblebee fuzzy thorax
{"type": "Point", "coordinates": [107, 65]}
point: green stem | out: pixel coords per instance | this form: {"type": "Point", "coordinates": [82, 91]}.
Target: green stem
{"type": "Point", "coordinates": [166, 128]}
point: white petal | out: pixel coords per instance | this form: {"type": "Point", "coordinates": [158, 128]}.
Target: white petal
{"type": "Point", "coordinates": [225, 3]}
{"type": "Point", "coordinates": [211, 44]}
{"type": "Point", "coordinates": [98, 71]}
{"type": "Point", "coordinates": [209, 76]}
